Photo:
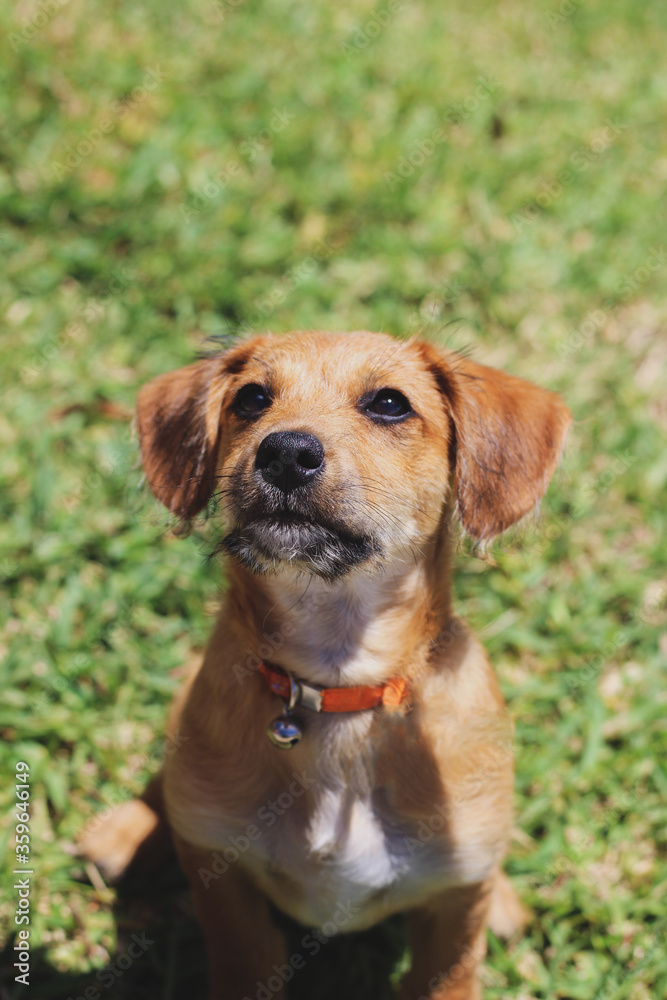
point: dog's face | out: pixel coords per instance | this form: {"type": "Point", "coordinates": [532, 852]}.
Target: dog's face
{"type": "Point", "coordinates": [331, 451]}
{"type": "Point", "coordinates": [334, 453]}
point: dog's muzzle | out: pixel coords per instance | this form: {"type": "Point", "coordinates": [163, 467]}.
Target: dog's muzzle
{"type": "Point", "coordinates": [283, 513]}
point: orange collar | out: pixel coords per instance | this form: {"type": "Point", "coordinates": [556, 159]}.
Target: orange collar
{"type": "Point", "coordinates": [346, 699]}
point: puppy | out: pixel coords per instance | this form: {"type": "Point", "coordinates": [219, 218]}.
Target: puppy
{"type": "Point", "coordinates": [343, 750]}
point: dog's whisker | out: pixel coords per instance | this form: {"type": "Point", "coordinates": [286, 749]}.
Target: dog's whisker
{"type": "Point", "coordinates": [377, 488]}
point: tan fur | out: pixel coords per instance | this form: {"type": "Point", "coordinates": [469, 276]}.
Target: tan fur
{"type": "Point", "coordinates": [372, 812]}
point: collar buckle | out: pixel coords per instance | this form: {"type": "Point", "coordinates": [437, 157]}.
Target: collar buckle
{"type": "Point", "coordinates": [310, 697]}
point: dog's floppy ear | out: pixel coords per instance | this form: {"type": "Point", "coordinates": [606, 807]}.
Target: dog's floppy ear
{"type": "Point", "coordinates": [178, 422]}
{"type": "Point", "coordinates": [508, 435]}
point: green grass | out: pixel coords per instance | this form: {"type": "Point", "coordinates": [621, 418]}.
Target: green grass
{"type": "Point", "coordinates": [527, 227]}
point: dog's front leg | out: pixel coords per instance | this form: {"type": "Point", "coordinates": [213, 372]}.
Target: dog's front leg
{"type": "Point", "coordinates": [245, 950]}
{"type": "Point", "coordinates": [448, 940]}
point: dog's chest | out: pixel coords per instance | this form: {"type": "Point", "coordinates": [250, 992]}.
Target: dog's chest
{"type": "Point", "coordinates": [352, 864]}
{"type": "Point", "coordinates": [350, 841]}
{"type": "Point", "coordinates": [351, 847]}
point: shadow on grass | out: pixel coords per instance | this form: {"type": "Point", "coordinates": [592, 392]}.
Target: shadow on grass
{"type": "Point", "coordinates": [160, 954]}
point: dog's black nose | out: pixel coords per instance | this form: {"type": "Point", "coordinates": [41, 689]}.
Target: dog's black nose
{"type": "Point", "coordinates": [288, 459]}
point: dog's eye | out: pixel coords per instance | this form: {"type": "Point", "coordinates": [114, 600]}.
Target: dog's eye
{"type": "Point", "coordinates": [389, 403]}
{"type": "Point", "coordinates": [251, 399]}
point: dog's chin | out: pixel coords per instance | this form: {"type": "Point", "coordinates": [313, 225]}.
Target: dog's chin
{"type": "Point", "coordinates": [269, 545]}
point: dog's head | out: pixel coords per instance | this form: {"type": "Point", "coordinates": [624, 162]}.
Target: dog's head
{"type": "Point", "coordinates": [328, 451]}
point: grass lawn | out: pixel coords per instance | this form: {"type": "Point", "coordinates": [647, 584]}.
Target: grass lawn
{"type": "Point", "coordinates": [491, 174]}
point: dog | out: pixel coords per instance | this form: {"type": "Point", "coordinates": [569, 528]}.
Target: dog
{"type": "Point", "coordinates": [343, 751]}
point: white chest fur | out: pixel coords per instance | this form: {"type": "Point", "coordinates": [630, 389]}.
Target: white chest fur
{"type": "Point", "coordinates": [354, 859]}
{"type": "Point", "coordinates": [350, 861]}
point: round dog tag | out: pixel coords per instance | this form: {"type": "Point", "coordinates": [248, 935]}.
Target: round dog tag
{"type": "Point", "coordinates": [284, 732]}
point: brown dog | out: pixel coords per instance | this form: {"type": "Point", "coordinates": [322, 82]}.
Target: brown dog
{"type": "Point", "coordinates": [339, 461]}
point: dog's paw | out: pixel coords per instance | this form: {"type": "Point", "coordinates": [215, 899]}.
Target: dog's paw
{"type": "Point", "coordinates": [507, 915]}
{"type": "Point", "coordinates": [113, 840]}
